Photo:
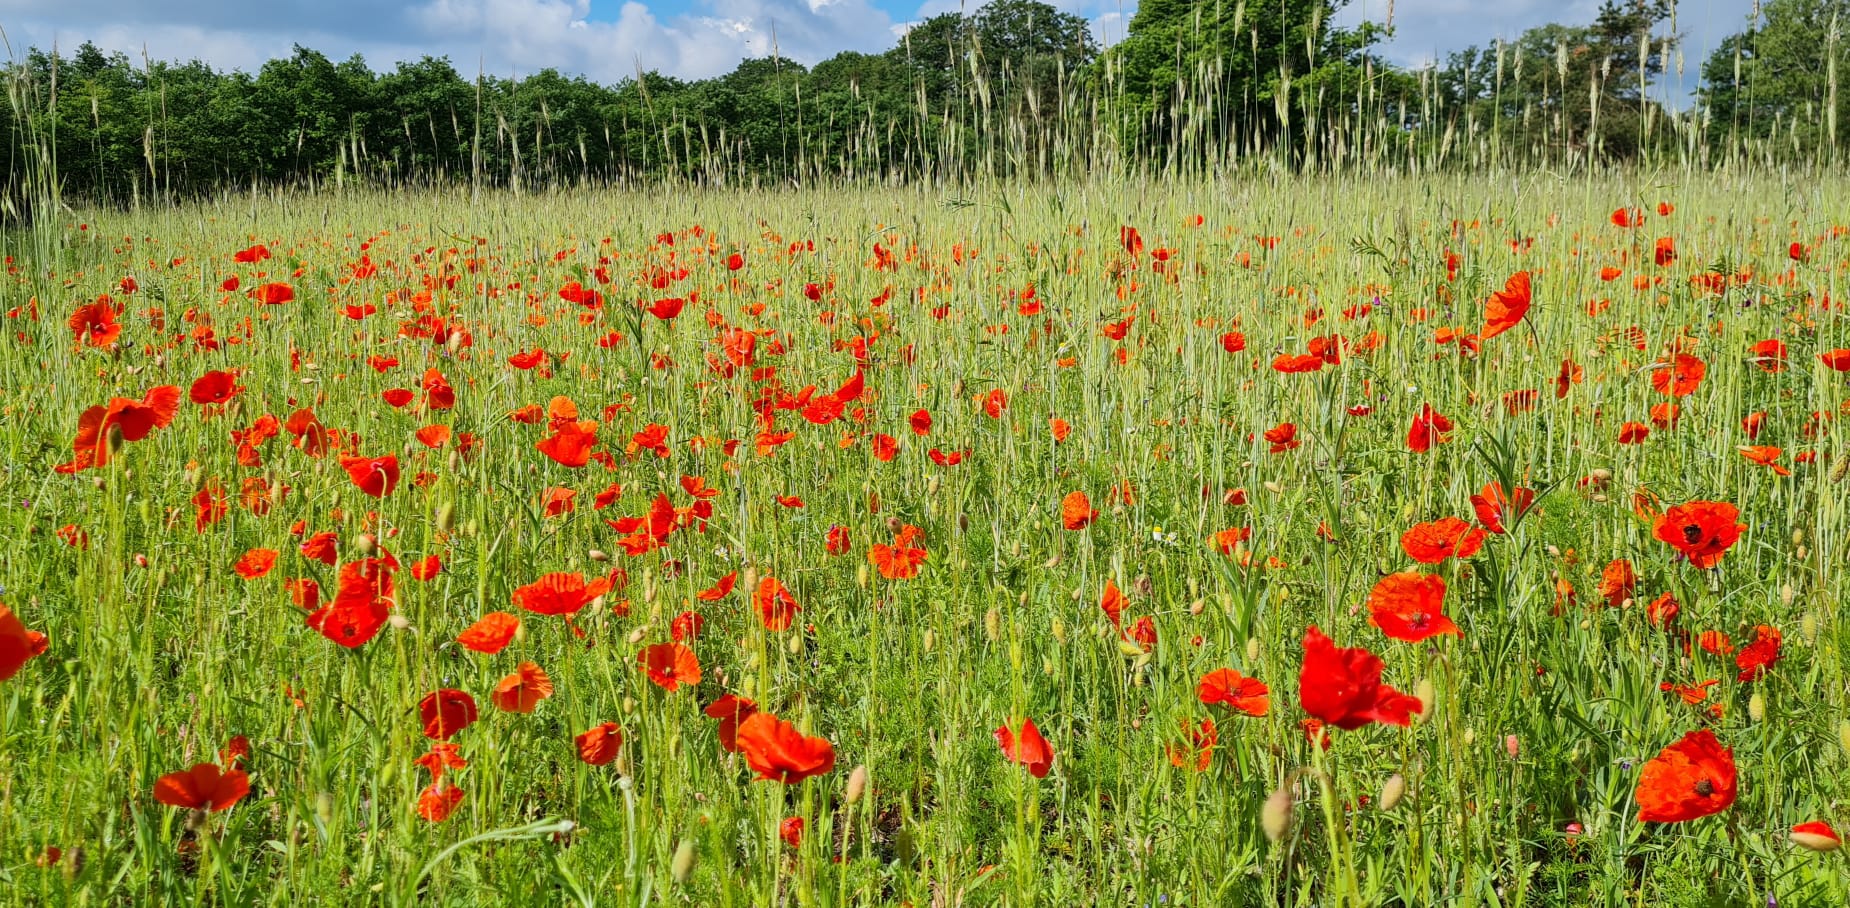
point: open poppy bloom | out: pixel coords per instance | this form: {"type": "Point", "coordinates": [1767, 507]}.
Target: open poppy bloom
{"type": "Point", "coordinates": [669, 665]}
{"type": "Point", "coordinates": [599, 746]}
{"type": "Point", "coordinates": [1506, 307]}
{"type": "Point", "coordinates": [446, 712]}
{"type": "Point", "coordinates": [490, 634]}
{"type": "Point", "coordinates": [560, 593]}
{"type": "Point", "coordinates": [776, 607]}
{"type": "Point", "coordinates": [1406, 606]}
{"type": "Point", "coordinates": [1429, 427]}
{"type": "Point", "coordinates": [523, 690]}
{"type": "Point", "coordinates": [1229, 688]}
{"type": "Point", "coordinates": [100, 429]}
{"type": "Point", "coordinates": [777, 752]}
{"type": "Point", "coordinates": [17, 645]}
{"type": "Point", "coordinates": [438, 801]}
{"type": "Point", "coordinates": [1755, 658]}
{"type": "Point", "coordinates": [1342, 687]}
{"type": "Point", "coordinates": [1493, 505]}
{"type": "Point", "coordinates": [1435, 541]}
{"type": "Point", "coordinates": [901, 560]}
{"type": "Point", "coordinates": [1690, 779]}
{"type": "Point", "coordinates": [1076, 511]}
{"type": "Point", "coordinates": [1027, 748]}
{"type": "Point", "coordinates": [376, 476]}
{"type": "Point", "coordinates": [204, 787]}
{"type": "Point", "coordinates": [1197, 752]}
{"type": "Point", "coordinates": [730, 710]}
{"type": "Point", "coordinates": [1701, 530]}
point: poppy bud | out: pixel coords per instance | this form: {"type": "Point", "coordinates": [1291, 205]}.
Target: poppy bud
{"type": "Point", "coordinates": [471, 528]}
{"type": "Point", "coordinates": [1786, 594]}
{"type": "Point", "coordinates": [641, 631]}
{"type": "Point", "coordinates": [73, 865]}
{"type": "Point", "coordinates": [683, 861]}
{"type": "Point", "coordinates": [1802, 552]}
{"type": "Point", "coordinates": [115, 439]}
{"type": "Point", "coordinates": [453, 343]}
{"type": "Point", "coordinates": [1798, 536]}
{"type": "Point", "coordinates": [894, 524]}
{"type": "Point", "coordinates": [861, 576]}
{"type": "Point", "coordinates": [1512, 745]}
{"type": "Point", "coordinates": [599, 556]}
{"type": "Point", "coordinates": [796, 644]}
{"type": "Point", "coordinates": [1756, 707]}
{"type": "Point", "coordinates": [98, 484]}
{"type": "Point", "coordinates": [324, 808]}
{"type": "Point", "coordinates": [931, 486]}
{"type": "Point", "coordinates": [1470, 736]}
{"type": "Point", "coordinates": [1051, 563]}
{"type": "Point", "coordinates": [1252, 650]}
{"type": "Point", "coordinates": [1392, 792]}
{"type": "Point", "coordinates": [1143, 585]}
{"type": "Point", "coordinates": [1196, 607]}
{"type": "Point", "coordinates": [1817, 836]}
{"type": "Point", "coordinates": [1427, 697]}
{"type": "Point", "coordinates": [857, 784]}
{"type": "Point", "coordinates": [1808, 626]}
{"type": "Point", "coordinates": [992, 624]}
{"type": "Point", "coordinates": [750, 580]}
{"type": "Point", "coordinates": [1602, 474]}
{"type": "Point", "coordinates": [398, 622]}
{"type": "Point", "coordinates": [141, 561]}
{"type": "Point", "coordinates": [446, 517]}
{"type": "Point", "coordinates": [1059, 631]}
{"type": "Point", "coordinates": [1275, 816]}
{"type": "Point", "coordinates": [963, 523]}
{"type": "Point", "coordinates": [365, 545]}
{"type": "Point", "coordinates": [1841, 469]}
{"type": "Point", "coordinates": [1273, 487]}
{"type": "Point", "coordinates": [931, 640]}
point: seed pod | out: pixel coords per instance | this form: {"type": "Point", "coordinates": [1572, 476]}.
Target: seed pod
{"type": "Point", "coordinates": [683, 861]}
{"type": "Point", "coordinates": [1275, 816]}
{"type": "Point", "coordinates": [1392, 792]}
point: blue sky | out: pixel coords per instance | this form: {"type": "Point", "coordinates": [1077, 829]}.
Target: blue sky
{"type": "Point", "coordinates": [607, 40]}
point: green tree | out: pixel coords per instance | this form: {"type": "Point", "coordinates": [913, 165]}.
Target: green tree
{"type": "Point", "coordinates": [1778, 79]}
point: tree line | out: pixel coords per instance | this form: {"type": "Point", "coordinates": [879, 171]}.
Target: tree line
{"type": "Point", "coordinates": [1015, 88]}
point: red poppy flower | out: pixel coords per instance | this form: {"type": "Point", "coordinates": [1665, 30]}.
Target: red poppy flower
{"type": "Point", "coordinates": [1406, 606]}
{"type": "Point", "coordinates": [1692, 778]}
{"type": "Point", "coordinates": [1197, 752]}
{"type": "Point", "coordinates": [1838, 359]}
{"type": "Point", "coordinates": [376, 476]}
{"type": "Point", "coordinates": [1429, 427]}
{"type": "Point", "coordinates": [255, 563]}
{"type": "Point", "coordinates": [1283, 437]}
{"type": "Point", "coordinates": [361, 605]}
{"type": "Point", "coordinates": [446, 712]}
{"type": "Point", "coordinates": [901, 560]}
{"type": "Point", "coordinates": [921, 422]}
{"type": "Point", "coordinates": [17, 645]}
{"type": "Point", "coordinates": [1506, 307]}
{"type": "Point", "coordinates": [559, 593]}
{"type": "Point", "coordinates": [490, 634]}
{"type": "Point", "coordinates": [523, 690]}
{"type": "Point", "coordinates": [95, 325]}
{"type": "Point", "coordinates": [777, 752]}
{"type": "Point", "coordinates": [273, 294]}
{"type": "Point", "coordinates": [1076, 511]}
{"type": "Point", "coordinates": [1027, 748]}
{"type": "Point", "coordinates": [1493, 505]}
{"type": "Point", "coordinates": [791, 831]}
{"type": "Point", "coordinates": [1701, 530]}
{"type": "Point", "coordinates": [730, 710]}
{"type": "Point", "coordinates": [1755, 658]}
{"type": "Point", "coordinates": [1447, 537]}
{"type": "Point", "coordinates": [776, 607]}
{"type": "Point", "coordinates": [1627, 217]}
{"type": "Point", "coordinates": [251, 255]}
{"type": "Point", "coordinates": [1618, 582]}
{"type": "Point", "coordinates": [214, 388]}
{"type": "Point", "coordinates": [599, 746]}
{"type": "Point", "coordinates": [1226, 687]}
{"type": "Point", "coordinates": [1680, 377]}
{"type": "Point", "coordinates": [570, 443]}
{"type": "Point", "coordinates": [130, 420]}
{"type": "Point", "coordinates": [437, 802]}
{"type": "Point", "coordinates": [1342, 687]}
{"type": "Point", "coordinates": [204, 787]}
{"type": "Point", "coordinates": [669, 665]}
{"type": "Point", "coordinates": [1112, 602]}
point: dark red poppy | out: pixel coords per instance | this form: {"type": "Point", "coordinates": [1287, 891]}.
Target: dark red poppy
{"type": "Point", "coordinates": [204, 787]}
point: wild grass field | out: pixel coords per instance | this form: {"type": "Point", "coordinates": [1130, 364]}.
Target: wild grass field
{"type": "Point", "coordinates": [1436, 541]}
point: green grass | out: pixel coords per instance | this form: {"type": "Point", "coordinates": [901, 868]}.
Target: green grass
{"type": "Point", "coordinates": [151, 669]}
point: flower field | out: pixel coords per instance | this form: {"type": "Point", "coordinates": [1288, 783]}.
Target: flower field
{"type": "Point", "coordinates": [1432, 541]}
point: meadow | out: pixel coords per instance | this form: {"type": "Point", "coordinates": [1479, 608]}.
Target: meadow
{"type": "Point", "coordinates": [1450, 540]}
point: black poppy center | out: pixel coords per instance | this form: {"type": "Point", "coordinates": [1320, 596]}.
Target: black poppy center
{"type": "Point", "coordinates": [1705, 788]}
{"type": "Point", "coordinates": [1692, 533]}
